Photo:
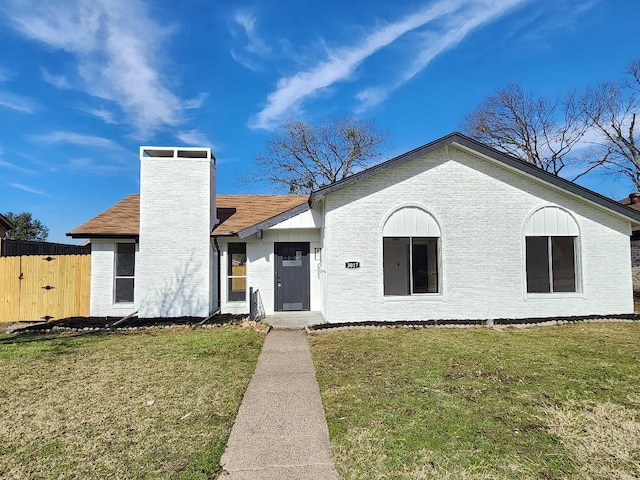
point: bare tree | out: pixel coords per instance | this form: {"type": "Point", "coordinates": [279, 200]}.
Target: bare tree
{"type": "Point", "coordinates": [537, 130]}
{"type": "Point", "coordinates": [300, 157]}
{"type": "Point", "coordinates": [612, 109]}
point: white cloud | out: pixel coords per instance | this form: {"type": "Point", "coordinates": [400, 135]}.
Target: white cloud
{"type": "Point", "coordinates": [89, 165]}
{"type": "Point", "coordinates": [29, 189]}
{"type": "Point", "coordinates": [454, 29]}
{"type": "Point", "coordinates": [17, 168]}
{"type": "Point", "coordinates": [254, 47]}
{"type": "Point", "coordinates": [341, 63]}
{"type": "Point", "coordinates": [118, 52]}
{"type": "Point", "coordinates": [58, 81]}
{"type": "Point", "coordinates": [195, 102]}
{"type": "Point", "coordinates": [194, 138]}
{"type": "Point", "coordinates": [76, 139]}
{"type": "Point", "coordinates": [17, 102]}
{"type": "Point", "coordinates": [102, 113]}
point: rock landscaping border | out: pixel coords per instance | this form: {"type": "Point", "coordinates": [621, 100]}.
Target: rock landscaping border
{"type": "Point", "coordinates": [468, 323]}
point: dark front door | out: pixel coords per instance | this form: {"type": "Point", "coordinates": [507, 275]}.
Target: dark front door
{"type": "Point", "coordinates": [292, 276]}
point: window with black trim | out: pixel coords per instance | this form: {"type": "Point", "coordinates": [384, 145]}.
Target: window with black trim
{"type": "Point", "coordinates": [237, 272]}
{"type": "Point", "coordinates": [551, 264]}
{"type": "Point", "coordinates": [124, 272]}
{"type": "Point", "coordinates": [410, 265]}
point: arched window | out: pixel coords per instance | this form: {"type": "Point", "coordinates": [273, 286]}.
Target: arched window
{"type": "Point", "coordinates": [551, 235]}
{"type": "Point", "coordinates": [410, 252]}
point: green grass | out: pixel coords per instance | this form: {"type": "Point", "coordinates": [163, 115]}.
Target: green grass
{"type": "Point", "coordinates": [151, 404]}
{"type": "Point", "coordinates": [540, 403]}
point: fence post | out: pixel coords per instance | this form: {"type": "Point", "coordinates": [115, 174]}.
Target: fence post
{"type": "Point", "coordinates": [252, 310]}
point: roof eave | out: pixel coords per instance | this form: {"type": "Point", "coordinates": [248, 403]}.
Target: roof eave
{"type": "Point", "coordinates": [8, 224]}
{"type": "Point", "coordinates": [270, 222]}
{"type": "Point", "coordinates": [381, 167]}
{"type": "Point", "coordinates": [102, 235]}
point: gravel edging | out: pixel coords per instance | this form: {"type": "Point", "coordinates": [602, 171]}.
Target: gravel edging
{"type": "Point", "coordinates": [471, 323]}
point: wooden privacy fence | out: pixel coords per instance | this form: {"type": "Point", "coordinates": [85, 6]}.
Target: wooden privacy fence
{"type": "Point", "coordinates": [44, 287]}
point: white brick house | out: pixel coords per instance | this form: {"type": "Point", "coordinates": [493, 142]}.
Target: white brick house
{"type": "Point", "coordinates": [451, 230]}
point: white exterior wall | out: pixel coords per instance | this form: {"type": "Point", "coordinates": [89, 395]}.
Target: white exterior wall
{"type": "Point", "coordinates": [261, 267]}
{"type": "Point", "coordinates": [481, 210]}
{"type": "Point", "coordinates": [102, 280]}
{"type": "Point", "coordinates": [174, 265]}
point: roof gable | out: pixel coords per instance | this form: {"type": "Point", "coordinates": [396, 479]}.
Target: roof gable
{"type": "Point", "coordinates": [515, 164]}
{"type": "Point", "coordinates": [243, 215]}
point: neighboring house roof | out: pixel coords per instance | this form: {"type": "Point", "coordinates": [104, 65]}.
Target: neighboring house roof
{"type": "Point", "coordinates": [6, 223]}
{"type": "Point", "coordinates": [236, 213]}
{"type": "Point", "coordinates": [633, 201]}
{"type": "Point", "coordinates": [508, 161]}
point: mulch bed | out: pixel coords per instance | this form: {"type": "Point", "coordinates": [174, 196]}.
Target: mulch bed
{"type": "Point", "coordinates": [105, 323]}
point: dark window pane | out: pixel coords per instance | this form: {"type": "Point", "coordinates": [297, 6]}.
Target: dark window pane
{"type": "Point", "coordinates": [563, 262]}
{"type": "Point", "coordinates": [538, 265]}
{"type": "Point", "coordinates": [419, 265]}
{"type": "Point", "coordinates": [425, 265]}
{"type": "Point", "coordinates": [124, 290]}
{"type": "Point", "coordinates": [125, 259]}
{"type": "Point", "coordinates": [395, 260]}
{"type": "Point", "coordinates": [237, 289]}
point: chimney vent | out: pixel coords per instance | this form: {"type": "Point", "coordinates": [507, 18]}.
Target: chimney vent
{"type": "Point", "coordinates": [634, 198]}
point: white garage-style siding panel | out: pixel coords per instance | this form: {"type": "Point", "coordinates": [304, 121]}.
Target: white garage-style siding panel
{"type": "Point", "coordinates": [482, 211]}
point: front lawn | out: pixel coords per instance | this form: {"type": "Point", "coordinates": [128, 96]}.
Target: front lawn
{"type": "Point", "coordinates": [540, 403]}
{"type": "Point", "coordinates": [151, 404]}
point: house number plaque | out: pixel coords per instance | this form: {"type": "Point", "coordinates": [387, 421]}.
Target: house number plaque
{"type": "Point", "coordinates": [352, 265]}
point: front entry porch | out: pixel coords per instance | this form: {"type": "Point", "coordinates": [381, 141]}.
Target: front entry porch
{"type": "Point", "coordinates": [294, 320]}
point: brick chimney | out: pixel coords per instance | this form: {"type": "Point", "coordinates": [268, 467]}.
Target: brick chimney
{"type": "Point", "coordinates": [174, 265]}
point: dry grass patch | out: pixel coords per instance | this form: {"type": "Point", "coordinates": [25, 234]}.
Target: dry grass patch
{"type": "Point", "coordinates": [602, 438]}
{"type": "Point", "coordinates": [153, 404]}
{"type": "Point", "coordinates": [482, 403]}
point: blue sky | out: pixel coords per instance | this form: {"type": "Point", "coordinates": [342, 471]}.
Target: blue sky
{"type": "Point", "coordinates": [84, 83]}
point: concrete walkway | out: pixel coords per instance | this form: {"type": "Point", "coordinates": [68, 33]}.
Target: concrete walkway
{"type": "Point", "coordinates": [280, 431]}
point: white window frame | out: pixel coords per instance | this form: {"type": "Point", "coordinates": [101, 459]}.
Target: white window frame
{"type": "Point", "coordinates": [411, 294]}
{"type": "Point", "coordinates": [116, 277]}
{"type": "Point", "coordinates": [576, 276]}
{"type": "Point", "coordinates": [231, 277]}
{"type": "Point", "coordinates": [550, 220]}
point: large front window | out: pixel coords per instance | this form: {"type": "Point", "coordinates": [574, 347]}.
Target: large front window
{"type": "Point", "coordinates": [551, 264]}
{"type": "Point", "coordinates": [410, 265]}
{"type": "Point", "coordinates": [237, 272]}
{"type": "Point", "coordinates": [125, 271]}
